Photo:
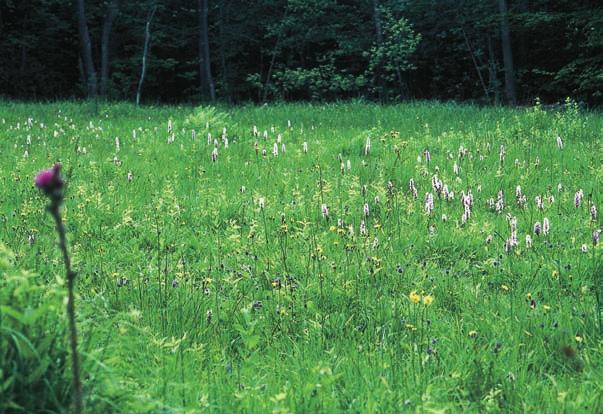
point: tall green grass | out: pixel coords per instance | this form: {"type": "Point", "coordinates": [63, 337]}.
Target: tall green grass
{"type": "Point", "coordinates": [192, 298]}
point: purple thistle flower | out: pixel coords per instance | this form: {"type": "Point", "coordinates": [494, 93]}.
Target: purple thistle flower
{"type": "Point", "coordinates": [596, 236]}
{"type": "Point", "coordinates": [50, 181]}
{"type": "Point", "coordinates": [366, 210]}
{"type": "Point", "coordinates": [593, 212]}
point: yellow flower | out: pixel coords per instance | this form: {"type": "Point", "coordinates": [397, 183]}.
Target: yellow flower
{"type": "Point", "coordinates": [578, 338]}
{"type": "Point", "coordinates": [546, 307]}
{"type": "Point", "coordinates": [472, 334]}
{"type": "Point", "coordinates": [505, 288]}
{"type": "Point", "coordinates": [427, 300]}
{"type": "Point", "coordinates": [414, 297]}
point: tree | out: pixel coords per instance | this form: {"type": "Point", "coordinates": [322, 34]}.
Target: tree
{"type": "Point", "coordinates": [86, 50]}
{"type": "Point", "coordinates": [206, 80]}
{"type": "Point", "coordinates": [112, 11]}
{"type": "Point", "coordinates": [145, 52]}
{"type": "Point", "coordinates": [505, 37]}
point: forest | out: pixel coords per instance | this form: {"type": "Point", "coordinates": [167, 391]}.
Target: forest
{"type": "Point", "coordinates": [237, 51]}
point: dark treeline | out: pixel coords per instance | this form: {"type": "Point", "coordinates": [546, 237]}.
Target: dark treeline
{"type": "Point", "coordinates": [489, 51]}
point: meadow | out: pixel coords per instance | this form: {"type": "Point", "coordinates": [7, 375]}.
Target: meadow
{"type": "Point", "coordinates": [348, 257]}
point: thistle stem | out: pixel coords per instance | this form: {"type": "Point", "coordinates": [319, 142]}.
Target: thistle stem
{"type": "Point", "coordinates": [54, 209]}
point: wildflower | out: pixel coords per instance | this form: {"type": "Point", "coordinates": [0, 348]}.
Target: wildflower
{"type": "Point", "coordinates": [412, 187]}
{"type": "Point", "coordinates": [130, 176]}
{"type": "Point", "coordinates": [50, 181]}
{"type": "Point", "coordinates": [170, 126]}
{"type": "Point", "coordinates": [509, 245]}
{"type": "Point", "coordinates": [539, 203]}
{"type": "Point", "coordinates": [214, 154]}
{"type": "Point", "coordinates": [545, 226]}
{"type": "Point", "coordinates": [367, 146]}
{"type": "Point", "coordinates": [593, 212]}
{"type": "Point", "coordinates": [584, 248]}
{"type": "Point", "coordinates": [596, 236]}
{"type": "Point", "coordinates": [117, 145]}
{"type": "Point", "coordinates": [366, 210]}
{"type": "Point", "coordinates": [489, 239]}
{"type": "Point", "coordinates": [537, 228]}
{"type": "Point", "coordinates": [500, 202]}
{"type": "Point", "coordinates": [414, 297]}
{"type": "Point", "coordinates": [325, 211]}
{"type": "Point", "coordinates": [363, 231]}
{"type": "Point", "coordinates": [305, 147]}
{"type": "Point", "coordinates": [472, 334]}
{"type": "Point", "coordinates": [501, 154]}
{"type": "Point", "coordinates": [578, 198]}
{"type": "Point", "coordinates": [275, 149]}
{"type": "Point", "coordinates": [209, 138]}
{"type": "Point", "coordinates": [456, 169]}
{"type": "Point", "coordinates": [466, 216]}
{"type": "Point", "coordinates": [242, 189]}
{"type": "Point", "coordinates": [193, 135]}
{"type": "Point", "coordinates": [349, 165]}
{"type": "Point", "coordinates": [428, 203]}
{"type": "Point", "coordinates": [444, 218]}
{"type": "Point", "coordinates": [283, 148]}
{"type": "Point", "coordinates": [559, 142]}
{"type": "Point", "coordinates": [261, 203]}
{"type": "Point", "coordinates": [528, 241]}
{"type": "Point", "coordinates": [436, 184]}
{"type": "Point", "coordinates": [427, 156]}
{"type": "Point", "coordinates": [427, 300]}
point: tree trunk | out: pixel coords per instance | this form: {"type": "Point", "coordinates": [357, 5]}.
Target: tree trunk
{"type": "Point", "coordinates": [86, 50]}
{"type": "Point", "coordinates": [222, 54]}
{"type": "Point", "coordinates": [475, 64]}
{"type": "Point", "coordinates": [273, 58]}
{"type": "Point", "coordinates": [379, 37]}
{"type": "Point", "coordinates": [505, 37]}
{"type": "Point", "coordinates": [105, 42]}
{"type": "Point", "coordinates": [145, 53]}
{"type": "Point", "coordinates": [493, 83]}
{"type": "Point", "coordinates": [206, 79]}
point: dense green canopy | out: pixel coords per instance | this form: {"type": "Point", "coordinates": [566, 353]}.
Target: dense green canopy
{"type": "Point", "coordinates": [304, 49]}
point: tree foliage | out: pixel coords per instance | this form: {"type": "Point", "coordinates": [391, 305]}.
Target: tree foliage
{"type": "Point", "coordinates": [308, 49]}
